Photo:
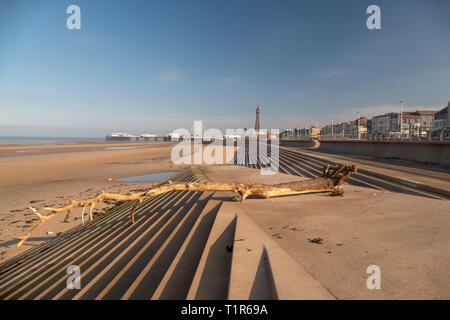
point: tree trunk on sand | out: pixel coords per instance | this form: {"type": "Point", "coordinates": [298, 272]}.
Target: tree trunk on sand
{"type": "Point", "coordinates": [330, 181]}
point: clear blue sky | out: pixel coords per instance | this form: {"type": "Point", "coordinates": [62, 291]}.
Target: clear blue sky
{"type": "Point", "coordinates": [154, 66]}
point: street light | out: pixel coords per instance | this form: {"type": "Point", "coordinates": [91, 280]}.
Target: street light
{"type": "Point", "coordinates": [401, 119]}
{"type": "Point", "coordinates": [332, 130]}
{"type": "Point", "coordinates": [357, 123]}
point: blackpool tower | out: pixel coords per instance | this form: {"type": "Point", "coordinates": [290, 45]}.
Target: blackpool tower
{"type": "Point", "coordinates": [257, 126]}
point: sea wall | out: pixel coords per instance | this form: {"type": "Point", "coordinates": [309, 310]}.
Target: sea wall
{"type": "Point", "coordinates": [422, 151]}
{"type": "Point", "coordinates": [299, 143]}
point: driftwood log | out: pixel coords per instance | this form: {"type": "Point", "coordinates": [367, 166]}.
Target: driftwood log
{"type": "Point", "coordinates": [330, 181]}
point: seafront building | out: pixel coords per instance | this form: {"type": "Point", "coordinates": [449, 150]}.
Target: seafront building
{"type": "Point", "coordinates": [417, 124]}
{"type": "Point", "coordinates": [303, 133]}
{"type": "Point", "coordinates": [409, 123]}
{"type": "Point", "coordinates": [441, 119]}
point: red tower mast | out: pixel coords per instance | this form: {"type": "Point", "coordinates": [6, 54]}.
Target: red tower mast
{"type": "Point", "coordinates": [257, 127]}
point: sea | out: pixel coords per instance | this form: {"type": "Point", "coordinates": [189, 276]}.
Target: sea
{"type": "Point", "coordinates": [48, 139]}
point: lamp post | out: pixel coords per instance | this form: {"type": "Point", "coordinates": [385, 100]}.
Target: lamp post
{"type": "Point", "coordinates": [332, 130]}
{"type": "Point", "coordinates": [401, 120]}
{"type": "Point", "coordinates": [357, 123]}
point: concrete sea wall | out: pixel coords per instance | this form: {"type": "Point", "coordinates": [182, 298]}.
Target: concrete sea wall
{"type": "Point", "coordinates": [422, 151]}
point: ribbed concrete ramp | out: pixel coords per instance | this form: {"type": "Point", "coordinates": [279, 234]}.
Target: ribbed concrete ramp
{"type": "Point", "coordinates": [184, 245]}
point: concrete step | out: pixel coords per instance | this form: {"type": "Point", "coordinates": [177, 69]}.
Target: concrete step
{"type": "Point", "coordinates": [212, 276]}
{"type": "Point", "coordinates": [261, 269]}
{"type": "Point", "coordinates": [148, 240]}
{"type": "Point", "coordinates": [420, 178]}
{"type": "Point", "coordinates": [184, 245]}
{"type": "Point", "coordinates": [177, 280]}
{"type": "Point", "coordinates": [45, 272]}
{"type": "Point", "coordinates": [145, 284]}
{"type": "Point", "coordinates": [79, 245]}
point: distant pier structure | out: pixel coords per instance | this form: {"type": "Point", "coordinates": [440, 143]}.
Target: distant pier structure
{"type": "Point", "coordinates": [134, 137]}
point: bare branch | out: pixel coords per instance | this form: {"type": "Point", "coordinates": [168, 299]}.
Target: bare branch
{"type": "Point", "coordinates": [330, 181]}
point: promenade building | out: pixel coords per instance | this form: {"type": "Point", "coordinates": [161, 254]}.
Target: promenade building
{"type": "Point", "coordinates": [441, 119]}
{"type": "Point", "coordinates": [359, 127]}
{"type": "Point", "coordinates": [408, 123]}
{"type": "Point", "coordinates": [303, 133]}
{"type": "Point", "coordinates": [338, 131]}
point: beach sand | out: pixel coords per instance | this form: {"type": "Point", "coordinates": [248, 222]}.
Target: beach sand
{"type": "Point", "coordinates": [43, 174]}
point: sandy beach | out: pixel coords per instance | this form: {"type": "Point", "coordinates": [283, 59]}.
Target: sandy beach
{"type": "Point", "coordinates": [52, 174]}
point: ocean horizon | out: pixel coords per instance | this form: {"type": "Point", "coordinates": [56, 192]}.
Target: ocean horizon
{"type": "Point", "coordinates": [48, 139]}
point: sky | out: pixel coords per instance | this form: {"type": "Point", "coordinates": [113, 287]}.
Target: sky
{"type": "Point", "coordinates": [157, 65]}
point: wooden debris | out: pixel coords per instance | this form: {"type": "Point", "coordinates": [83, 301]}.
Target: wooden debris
{"type": "Point", "coordinates": [330, 181]}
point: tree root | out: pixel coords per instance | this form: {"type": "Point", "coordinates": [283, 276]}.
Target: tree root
{"type": "Point", "coordinates": [330, 181]}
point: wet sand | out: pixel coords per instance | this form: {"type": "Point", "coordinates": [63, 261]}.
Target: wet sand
{"type": "Point", "coordinates": [44, 174]}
